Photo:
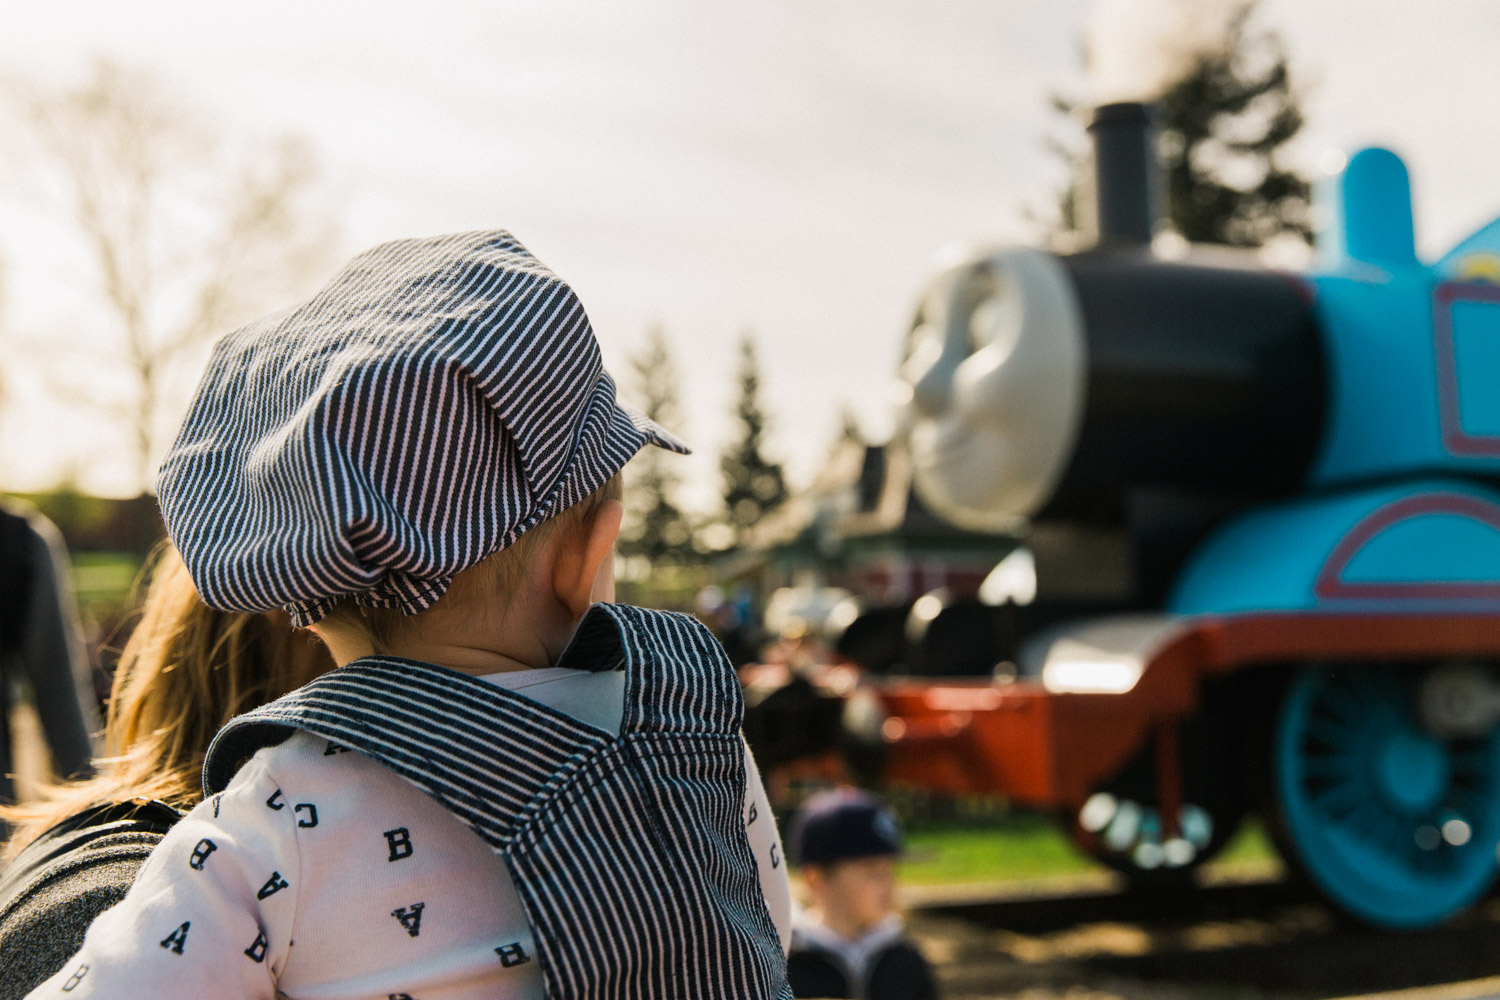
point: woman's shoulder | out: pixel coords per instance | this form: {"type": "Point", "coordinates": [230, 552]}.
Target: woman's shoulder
{"type": "Point", "coordinates": [65, 878]}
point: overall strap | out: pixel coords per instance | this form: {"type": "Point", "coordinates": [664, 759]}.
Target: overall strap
{"type": "Point", "coordinates": [639, 881]}
{"type": "Point", "coordinates": [486, 754]}
{"type": "Point", "coordinates": [677, 676]}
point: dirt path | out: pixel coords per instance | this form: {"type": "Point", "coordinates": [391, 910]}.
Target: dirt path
{"type": "Point", "coordinates": [1265, 941]}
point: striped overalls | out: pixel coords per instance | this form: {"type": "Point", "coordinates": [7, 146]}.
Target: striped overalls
{"type": "Point", "coordinates": [628, 851]}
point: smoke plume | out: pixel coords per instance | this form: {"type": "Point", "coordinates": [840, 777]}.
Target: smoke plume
{"type": "Point", "coordinates": [1135, 48]}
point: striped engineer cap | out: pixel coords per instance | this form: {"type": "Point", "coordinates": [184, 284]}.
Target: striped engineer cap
{"type": "Point", "coordinates": [434, 401]}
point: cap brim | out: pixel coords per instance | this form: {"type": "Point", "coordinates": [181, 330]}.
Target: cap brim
{"type": "Point", "coordinates": [655, 433]}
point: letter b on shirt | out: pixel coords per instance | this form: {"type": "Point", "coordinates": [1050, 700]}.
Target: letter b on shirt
{"type": "Point", "coordinates": [399, 842]}
{"type": "Point", "coordinates": [512, 955]}
{"type": "Point", "coordinates": [200, 854]}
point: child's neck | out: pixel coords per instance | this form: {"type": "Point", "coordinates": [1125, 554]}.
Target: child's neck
{"type": "Point", "coordinates": [476, 654]}
{"type": "Point", "coordinates": [450, 652]}
{"type": "Point", "coordinates": [477, 660]}
{"type": "Point", "coordinates": [528, 636]}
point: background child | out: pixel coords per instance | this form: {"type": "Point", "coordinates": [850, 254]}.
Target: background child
{"type": "Point", "coordinates": [850, 942]}
{"type": "Point", "coordinates": [421, 463]}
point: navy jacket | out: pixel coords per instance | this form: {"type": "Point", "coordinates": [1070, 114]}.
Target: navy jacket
{"type": "Point", "coordinates": [893, 971]}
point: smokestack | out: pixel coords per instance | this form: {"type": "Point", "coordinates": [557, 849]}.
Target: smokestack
{"type": "Point", "coordinates": [1125, 173]}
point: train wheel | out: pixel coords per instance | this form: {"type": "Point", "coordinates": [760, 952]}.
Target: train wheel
{"type": "Point", "coordinates": [1396, 825]}
{"type": "Point", "coordinates": [1122, 825]}
{"type": "Point", "coordinates": [1131, 837]}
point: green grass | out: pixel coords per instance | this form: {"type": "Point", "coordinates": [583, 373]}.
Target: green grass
{"type": "Point", "coordinates": [103, 579]}
{"type": "Point", "coordinates": [1015, 847]}
{"type": "Point", "coordinates": [1025, 846]}
{"type": "Point", "coordinates": [1251, 848]}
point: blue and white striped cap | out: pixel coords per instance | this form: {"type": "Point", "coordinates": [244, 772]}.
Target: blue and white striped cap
{"type": "Point", "coordinates": [434, 401]}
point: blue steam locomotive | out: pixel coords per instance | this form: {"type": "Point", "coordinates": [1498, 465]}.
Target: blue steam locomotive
{"type": "Point", "coordinates": [1262, 512]}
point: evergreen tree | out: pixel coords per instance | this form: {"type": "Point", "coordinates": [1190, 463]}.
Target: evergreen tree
{"type": "Point", "coordinates": [655, 526]}
{"type": "Point", "coordinates": [1222, 124]}
{"type": "Point", "coordinates": [753, 486]}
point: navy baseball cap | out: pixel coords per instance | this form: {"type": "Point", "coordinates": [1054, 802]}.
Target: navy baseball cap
{"type": "Point", "coordinates": [435, 400]}
{"type": "Point", "coordinates": [841, 825]}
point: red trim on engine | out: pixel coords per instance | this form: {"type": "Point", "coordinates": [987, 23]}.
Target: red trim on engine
{"type": "Point", "coordinates": [1046, 748]}
{"type": "Point", "coordinates": [1455, 439]}
{"type": "Point", "coordinates": [1331, 585]}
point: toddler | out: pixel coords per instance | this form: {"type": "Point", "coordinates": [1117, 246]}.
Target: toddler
{"type": "Point", "coordinates": [506, 788]}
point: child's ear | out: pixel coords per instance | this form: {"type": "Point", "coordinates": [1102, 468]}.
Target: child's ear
{"type": "Point", "coordinates": [581, 557]}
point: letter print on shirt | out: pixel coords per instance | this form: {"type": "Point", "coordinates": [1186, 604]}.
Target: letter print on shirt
{"type": "Point", "coordinates": [410, 917]}
{"type": "Point", "coordinates": [399, 842]}
{"type": "Point", "coordinates": [177, 940]}
{"type": "Point", "coordinates": [273, 885]}
{"type": "Point", "coordinates": [257, 951]}
{"type": "Point", "coordinates": [332, 749]}
{"type": "Point", "coordinates": [274, 802]}
{"type": "Point", "coordinates": [512, 955]}
{"type": "Point", "coordinates": [307, 815]}
{"type": "Point", "coordinates": [200, 854]}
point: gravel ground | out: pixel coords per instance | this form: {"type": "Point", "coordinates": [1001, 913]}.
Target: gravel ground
{"type": "Point", "coordinates": [1262, 942]}
{"type": "Point", "coordinates": [978, 963]}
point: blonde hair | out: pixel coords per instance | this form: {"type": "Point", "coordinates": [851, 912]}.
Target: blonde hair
{"type": "Point", "coordinates": [496, 582]}
{"type": "Point", "coordinates": [185, 671]}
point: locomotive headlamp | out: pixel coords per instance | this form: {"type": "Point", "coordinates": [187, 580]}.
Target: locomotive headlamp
{"type": "Point", "coordinates": [996, 368]}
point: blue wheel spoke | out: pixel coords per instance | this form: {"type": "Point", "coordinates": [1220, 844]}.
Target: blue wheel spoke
{"type": "Point", "coordinates": [1338, 801]}
{"type": "Point", "coordinates": [1331, 766]}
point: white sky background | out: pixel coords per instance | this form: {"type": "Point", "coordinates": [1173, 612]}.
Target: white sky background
{"type": "Point", "coordinates": [789, 167]}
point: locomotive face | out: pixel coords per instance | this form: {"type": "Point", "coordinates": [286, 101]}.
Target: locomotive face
{"type": "Point", "coordinates": [995, 367]}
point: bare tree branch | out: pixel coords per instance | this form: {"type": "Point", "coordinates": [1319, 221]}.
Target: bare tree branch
{"type": "Point", "coordinates": [182, 238]}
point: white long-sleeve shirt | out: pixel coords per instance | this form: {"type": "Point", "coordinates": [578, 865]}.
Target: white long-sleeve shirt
{"type": "Point", "coordinates": [318, 874]}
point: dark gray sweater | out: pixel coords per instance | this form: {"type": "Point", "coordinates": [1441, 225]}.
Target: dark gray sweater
{"type": "Point", "coordinates": [57, 886]}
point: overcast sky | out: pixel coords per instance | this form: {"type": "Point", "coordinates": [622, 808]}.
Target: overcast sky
{"type": "Point", "coordinates": [787, 167]}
